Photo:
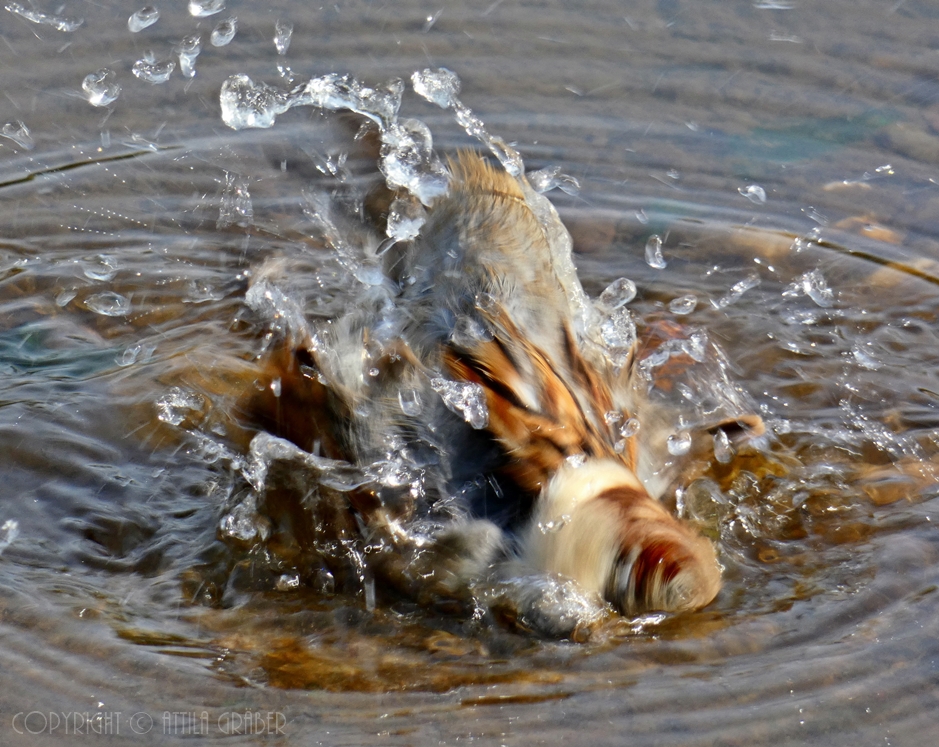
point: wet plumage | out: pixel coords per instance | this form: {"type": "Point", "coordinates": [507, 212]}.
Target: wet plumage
{"type": "Point", "coordinates": [486, 298]}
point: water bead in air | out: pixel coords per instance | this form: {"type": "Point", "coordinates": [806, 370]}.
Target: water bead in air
{"type": "Point", "coordinates": [683, 304]}
{"type": "Point", "coordinates": [654, 256]}
{"type": "Point", "coordinates": [203, 8]}
{"type": "Point", "coordinates": [248, 104]}
{"type": "Point", "coordinates": [630, 428]}
{"type": "Point", "coordinates": [143, 18]}
{"type": "Point", "coordinates": [108, 303]}
{"type": "Point", "coordinates": [439, 86]}
{"type": "Point", "coordinates": [723, 451]}
{"type": "Point", "coordinates": [283, 33]}
{"type": "Point", "coordinates": [151, 71]}
{"type": "Point", "coordinates": [58, 22]}
{"type": "Point", "coordinates": [679, 443]}
{"type": "Point", "coordinates": [754, 193]}
{"type": "Point", "coordinates": [618, 293]}
{"type": "Point", "coordinates": [466, 399]}
{"type": "Point", "coordinates": [101, 87]}
{"type": "Point", "coordinates": [737, 290]}
{"type": "Point", "coordinates": [188, 50]}
{"type": "Point", "coordinates": [224, 32]}
{"type": "Point", "coordinates": [19, 133]}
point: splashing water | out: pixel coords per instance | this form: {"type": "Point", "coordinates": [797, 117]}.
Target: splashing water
{"type": "Point", "coordinates": [466, 399]}
{"type": "Point", "coordinates": [813, 285]}
{"type": "Point", "coordinates": [441, 87]}
{"type": "Point", "coordinates": [58, 22]}
{"type": "Point", "coordinates": [9, 531]}
{"type": "Point", "coordinates": [19, 133]}
{"type": "Point", "coordinates": [236, 208]}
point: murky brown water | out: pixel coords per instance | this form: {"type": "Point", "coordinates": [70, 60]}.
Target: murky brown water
{"type": "Point", "coordinates": [827, 629]}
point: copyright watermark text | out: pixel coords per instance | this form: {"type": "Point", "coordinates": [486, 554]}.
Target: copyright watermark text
{"type": "Point", "coordinates": [175, 723]}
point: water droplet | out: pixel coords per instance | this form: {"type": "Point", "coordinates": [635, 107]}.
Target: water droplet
{"type": "Point", "coordinates": [143, 18]}
{"type": "Point", "coordinates": [174, 406]}
{"type": "Point", "coordinates": [683, 304]}
{"type": "Point", "coordinates": [814, 286]}
{"type": "Point", "coordinates": [612, 417]}
{"type": "Point", "coordinates": [60, 23]}
{"type": "Point", "coordinates": [438, 86]}
{"type": "Point", "coordinates": [283, 33]}
{"type": "Point", "coordinates": [406, 215]}
{"type": "Point", "coordinates": [723, 450]}
{"type": "Point", "coordinates": [151, 71]}
{"type": "Point", "coordinates": [733, 295]}
{"type": "Point", "coordinates": [203, 8]}
{"type": "Point", "coordinates": [108, 303]}
{"type": "Point", "coordinates": [555, 525]}
{"type": "Point", "coordinates": [618, 332]}
{"type": "Point", "coordinates": [630, 428]}
{"type": "Point", "coordinates": [411, 402]}
{"type": "Point", "coordinates": [576, 460]}
{"type": "Point", "coordinates": [19, 133]}
{"type": "Point", "coordinates": [188, 50]}
{"type": "Point", "coordinates": [550, 178]}
{"type": "Point", "coordinates": [248, 104]}
{"type": "Point", "coordinates": [618, 293]}
{"type": "Point", "coordinates": [754, 193]}
{"type": "Point", "coordinates": [224, 32]}
{"type": "Point", "coordinates": [465, 399]}
{"type": "Point", "coordinates": [102, 267]}
{"type": "Point", "coordinates": [654, 256]}
{"type": "Point", "coordinates": [9, 531]}
{"type": "Point", "coordinates": [101, 87]}
{"type": "Point", "coordinates": [679, 443]}
{"type": "Point", "coordinates": [287, 582]}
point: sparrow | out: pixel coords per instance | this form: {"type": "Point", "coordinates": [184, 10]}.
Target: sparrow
{"type": "Point", "coordinates": [479, 360]}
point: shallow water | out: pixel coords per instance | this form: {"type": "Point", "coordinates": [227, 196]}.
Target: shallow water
{"type": "Point", "coordinates": [117, 285]}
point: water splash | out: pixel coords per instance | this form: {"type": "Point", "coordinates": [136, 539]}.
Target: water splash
{"type": "Point", "coordinates": [177, 404]}
{"type": "Point", "coordinates": [142, 19]}
{"type": "Point", "coordinates": [19, 133]}
{"type": "Point", "coordinates": [466, 399]}
{"type": "Point", "coordinates": [441, 87]}
{"type": "Point", "coordinates": [101, 87]}
{"type": "Point", "coordinates": [752, 280]}
{"type": "Point", "coordinates": [58, 22]}
{"type": "Point", "coordinates": [236, 208]}
{"type": "Point", "coordinates": [813, 285]}
{"type": "Point", "coordinates": [405, 218]}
